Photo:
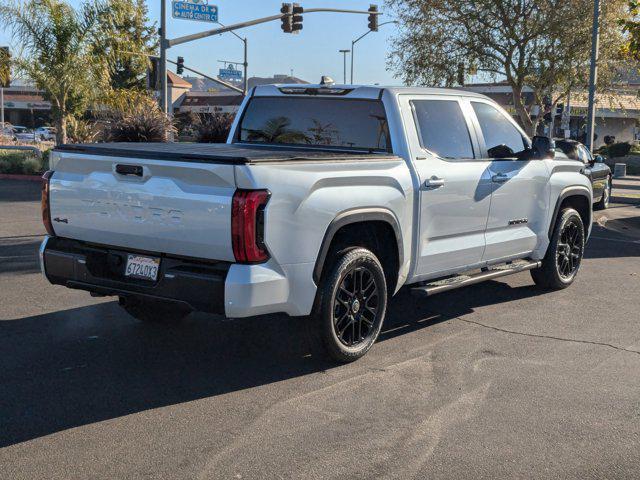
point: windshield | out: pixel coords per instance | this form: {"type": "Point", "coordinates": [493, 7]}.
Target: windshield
{"type": "Point", "coordinates": [321, 122]}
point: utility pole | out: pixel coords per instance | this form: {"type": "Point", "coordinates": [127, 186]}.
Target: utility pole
{"type": "Point", "coordinates": [245, 85]}
{"type": "Point", "coordinates": [344, 55]}
{"type": "Point", "coordinates": [163, 56]}
{"type": "Point", "coordinates": [593, 74]}
{"type": "Point", "coordinates": [353, 43]}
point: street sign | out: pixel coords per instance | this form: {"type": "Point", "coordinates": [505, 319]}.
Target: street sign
{"type": "Point", "coordinates": [230, 73]}
{"type": "Point", "coordinates": [196, 10]}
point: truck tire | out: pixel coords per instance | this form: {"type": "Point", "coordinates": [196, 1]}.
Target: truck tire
{"type": "Point", "coordinates": [153, 311]}
{"type": "Point", "coordinates": [603, 203]}
{"type": "Point", "coordinates": [564, 254]}
{"type": "Point", "coordinates": [351, 305]}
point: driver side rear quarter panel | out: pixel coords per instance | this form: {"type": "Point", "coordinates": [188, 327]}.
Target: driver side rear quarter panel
{"type": "Point", "coordinates": [306, 197]}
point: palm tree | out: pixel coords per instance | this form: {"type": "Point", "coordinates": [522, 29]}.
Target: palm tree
{"type": "Point", "coordinates": [58, 43]}
{"type": "Point", "coordinates": [276, 130]}
{"type": "Point", "coordinates": [5, 67]}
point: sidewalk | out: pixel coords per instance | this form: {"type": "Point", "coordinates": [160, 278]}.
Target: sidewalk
{"type": "Point", "coordinates": [626, 190]}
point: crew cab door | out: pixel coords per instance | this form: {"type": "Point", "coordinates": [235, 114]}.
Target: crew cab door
{"type": "Point", "coordinates": [455, 185]}
{"type": "Point", "coordinates": [520, 188]}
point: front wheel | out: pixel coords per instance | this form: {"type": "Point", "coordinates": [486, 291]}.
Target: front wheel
{"type": "Point", "coordinates": [564, 254]}
{"type": "Point", "coordinates": [352, 305]}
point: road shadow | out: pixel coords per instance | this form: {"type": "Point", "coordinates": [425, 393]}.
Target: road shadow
{"type": "Point", "coordinates": [84, 365]}
{"type": "Point", "coordinates": [19, 255]}
{"type": "Point", "coordinates": [616, 240]}
{"type": "Point", "coordinates": [19, 191]}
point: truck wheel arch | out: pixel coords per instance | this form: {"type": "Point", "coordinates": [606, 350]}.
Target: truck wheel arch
{"type": "Point", "coordinates": [581, 194]}
{"type": "Point", "coordinates": [349, 217]}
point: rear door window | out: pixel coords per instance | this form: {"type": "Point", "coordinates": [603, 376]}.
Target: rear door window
{"type": "Point", "coordinates": [442, 128]}
{"type": "Point", "coordinates": [502, 139]}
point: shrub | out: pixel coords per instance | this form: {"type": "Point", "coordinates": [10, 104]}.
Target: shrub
{"type": "Point", "coordinates": [620, 149]}
{"type": "Point", "coordinates": [132, 116]}
{"type": "Point", "coordinates": [82, 131]}
{"type": "Point", "coordinates": [22, 163]}
{"type": "Point", "coordinates": [214, 128]}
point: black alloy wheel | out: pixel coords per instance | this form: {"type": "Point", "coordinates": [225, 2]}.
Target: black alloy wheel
{"type": "Point", "coordinates": [356, 306]}
{"type": "Point", "coordinates": [564, 254]}
{"type": "Point", "coordinates": [569, 249]}
{"type": "Point", "coordinates": [351, 304]}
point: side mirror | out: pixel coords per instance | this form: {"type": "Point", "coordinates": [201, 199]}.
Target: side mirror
{"type": "Point", "coordinates": [543, 147]}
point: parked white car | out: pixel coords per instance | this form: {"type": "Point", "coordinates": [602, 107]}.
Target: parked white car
{"type": "Point", "coordinates": [22, 133]}
{"type": "Point", "coordinates": [326, 200]}
{"type": "Point", "coordinates": [46, 134]}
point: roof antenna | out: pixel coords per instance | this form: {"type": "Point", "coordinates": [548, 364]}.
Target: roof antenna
{"type": "Point", "coordinates": [325, 80]}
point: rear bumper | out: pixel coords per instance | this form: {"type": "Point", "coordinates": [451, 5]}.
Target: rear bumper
{"type": "Point", "coordinates": [99, 269]}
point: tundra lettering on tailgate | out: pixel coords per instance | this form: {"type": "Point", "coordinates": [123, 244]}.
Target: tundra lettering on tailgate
{"type": "Point", "coordinates": [136, 213]}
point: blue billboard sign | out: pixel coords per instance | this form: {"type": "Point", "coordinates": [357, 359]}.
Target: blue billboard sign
{"type": "Point", "coordinates": [230, 73]}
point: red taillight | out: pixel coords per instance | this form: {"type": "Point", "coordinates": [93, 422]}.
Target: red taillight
{"type": "Point", "coordinates": [46, 212]}
{"type": "Point", "coordinates": [247, 225]}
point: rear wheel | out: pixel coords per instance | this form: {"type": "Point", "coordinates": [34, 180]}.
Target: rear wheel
{"type": "Point", "coordinates": [352, 305]}
{"type": "Point", "coordinates": [154, 311]}
{"type": "Point", "coordinates": [564, 254]}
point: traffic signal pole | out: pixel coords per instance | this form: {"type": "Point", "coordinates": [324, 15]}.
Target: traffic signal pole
{"type": "Point", "coordinates": [166, 43]}
{"type": "Point", "coordinates": [217, 80]}
{"type": "Point", "coordinates": [163, 56]}
{"type": "Point", "coordinates": [196, 36]}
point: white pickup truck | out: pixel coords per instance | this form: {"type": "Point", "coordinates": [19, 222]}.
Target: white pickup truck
{"type": "Point", "coordinates": [324, 202]}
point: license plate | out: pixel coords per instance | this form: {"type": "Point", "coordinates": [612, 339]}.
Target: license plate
{"type": "Point", "coordinates": [142, 267]}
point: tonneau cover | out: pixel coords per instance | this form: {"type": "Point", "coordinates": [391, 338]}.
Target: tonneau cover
{"type": "Point", "coordinates": [217, 152]}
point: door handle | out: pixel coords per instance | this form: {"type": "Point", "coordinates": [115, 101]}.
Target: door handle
{"type": "Point", "coordinates": [499, 178]}
{"type": "Point", "coordinates": [123, 169]}
{"type": "Point", "coordinates": [434, 182]}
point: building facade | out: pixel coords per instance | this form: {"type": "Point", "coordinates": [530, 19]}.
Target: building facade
{"type": "Point", "coordinates": [617, 115]}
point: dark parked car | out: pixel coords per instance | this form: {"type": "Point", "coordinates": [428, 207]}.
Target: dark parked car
{"type": "Point", "coordinates": [595, 168]}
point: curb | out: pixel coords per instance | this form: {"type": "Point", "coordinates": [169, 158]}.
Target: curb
{"type": "Point", "coordinates": [16, 176]}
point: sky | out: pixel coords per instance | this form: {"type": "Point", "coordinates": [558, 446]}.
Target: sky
{"type": "Point", "coordinates": [310, 54]}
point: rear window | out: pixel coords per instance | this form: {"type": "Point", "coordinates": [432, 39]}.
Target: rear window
{"type": "Point", "coordinates": [319, 122]}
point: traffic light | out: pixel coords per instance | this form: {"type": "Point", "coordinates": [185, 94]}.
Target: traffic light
{"type": "Point", "coordinates": [296, 18]}
{"type": "Point", "coordinates": [287, 21]}
{"type": "Point", "coordinates": [373, 18]}
{"type": "Point", "coordinates": [5, 67]}
{"type": "Point", "coordinates": [180, 66]}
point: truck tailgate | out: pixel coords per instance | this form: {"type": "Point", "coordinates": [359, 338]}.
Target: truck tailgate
{"type": "Point", "coordinates": [162, 206]}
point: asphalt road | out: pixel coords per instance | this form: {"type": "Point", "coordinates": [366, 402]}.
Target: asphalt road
{"type": "Point", "coordinates": [500, 380]}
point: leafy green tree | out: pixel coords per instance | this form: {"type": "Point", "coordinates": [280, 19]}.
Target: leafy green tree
{"type": "Point", "coordinates": [540, 44]}
{"type": "Point", "coordinates": [631, 26]}
{"type": "Point", "coordinates": [127, 38]}
{"type": "Point", "coordinates": [58, 53]}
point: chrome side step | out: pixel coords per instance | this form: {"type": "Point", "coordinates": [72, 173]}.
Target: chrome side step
{"type": "Point", "coordinates": [459, 281]}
